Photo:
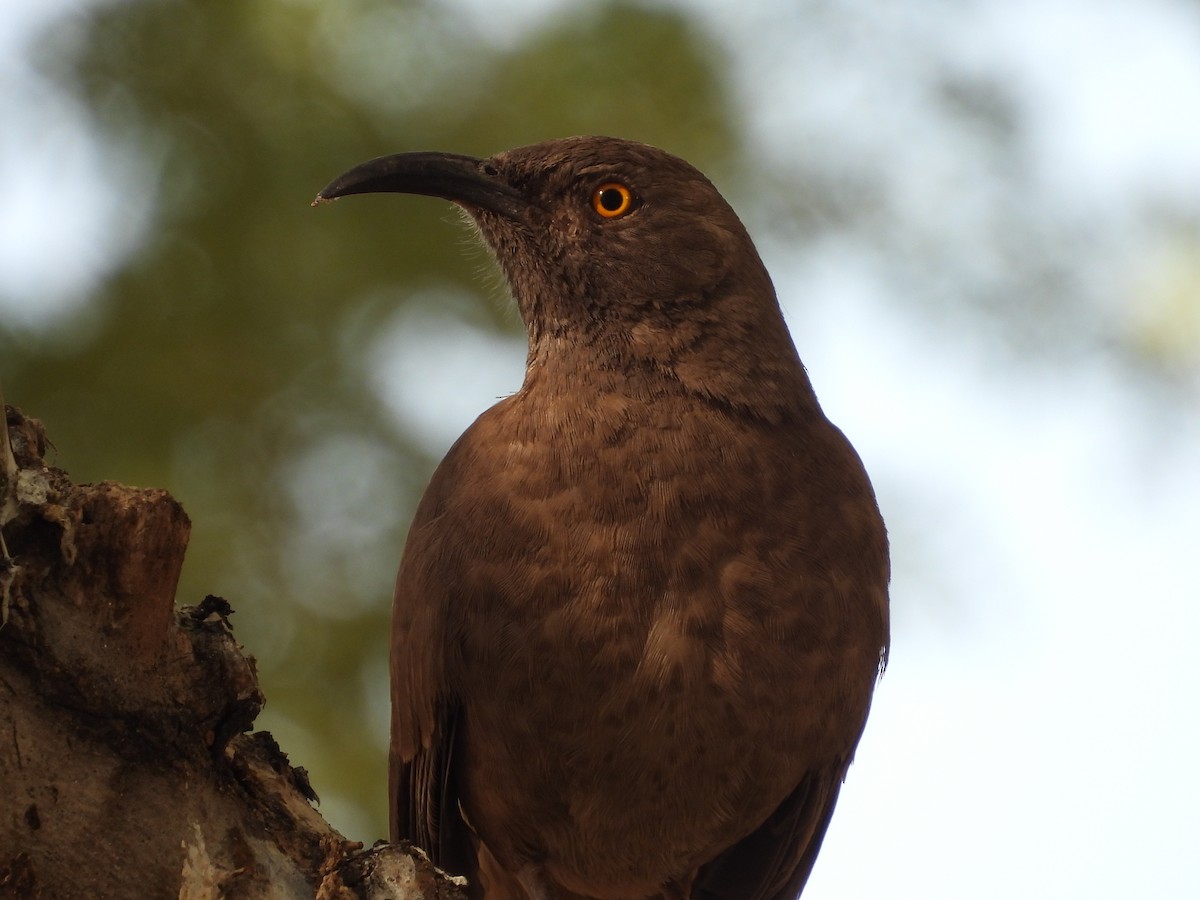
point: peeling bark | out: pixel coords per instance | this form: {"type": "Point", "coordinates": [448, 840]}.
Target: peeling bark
{"type": "Point", "coordinates": [125, 766]}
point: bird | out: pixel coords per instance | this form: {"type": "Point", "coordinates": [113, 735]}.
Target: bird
{"type": "Point", "coordinates": [642, 606]}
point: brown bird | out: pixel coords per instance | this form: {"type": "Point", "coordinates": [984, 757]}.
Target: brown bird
{"type": "Point", "coordinates": [643, 603]}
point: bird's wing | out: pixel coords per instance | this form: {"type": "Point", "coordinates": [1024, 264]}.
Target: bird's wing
{"type": "Point", "coordinates": [423, 796]}
{"type": "Point", "coordinates": [774, 861]}
{"type": "Point", "coordinates": [424, 803]}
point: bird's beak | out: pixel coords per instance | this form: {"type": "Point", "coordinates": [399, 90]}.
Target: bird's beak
{"type": "Point", "coordinates": [451, 176]}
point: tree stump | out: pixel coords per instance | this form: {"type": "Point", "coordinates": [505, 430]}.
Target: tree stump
{"type": "Point", "coordinates": [125, 766]}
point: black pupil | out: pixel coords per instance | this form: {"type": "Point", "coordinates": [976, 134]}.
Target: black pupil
{"type": "Point", "coordinates": [611, 199]}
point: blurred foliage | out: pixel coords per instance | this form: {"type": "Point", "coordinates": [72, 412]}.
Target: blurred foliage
{"type": "Point", "coordinates": [226, 359]}
{"type": "Point", "coordinates": [232, 357]}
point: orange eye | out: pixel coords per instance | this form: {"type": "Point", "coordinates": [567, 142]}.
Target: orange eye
{"type": "Point", "coordinates": [612, 199]}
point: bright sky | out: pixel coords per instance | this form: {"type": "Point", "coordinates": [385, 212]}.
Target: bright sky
{"type": "Point", "coordinates": [1036, 733]}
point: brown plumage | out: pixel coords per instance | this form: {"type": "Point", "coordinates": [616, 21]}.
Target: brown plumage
{"type": "Point", "coordinates": [643, 603]}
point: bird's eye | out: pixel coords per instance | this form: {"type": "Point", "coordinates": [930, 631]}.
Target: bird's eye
{"type": "Point", "coordinates": [612, 200]}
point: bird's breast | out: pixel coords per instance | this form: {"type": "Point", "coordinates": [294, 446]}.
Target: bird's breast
{"type": "Point", "coordinates": [669, 573]}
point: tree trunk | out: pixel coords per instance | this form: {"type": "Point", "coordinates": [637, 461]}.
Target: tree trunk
{"type": "Point", "coordinates": [125, 766]}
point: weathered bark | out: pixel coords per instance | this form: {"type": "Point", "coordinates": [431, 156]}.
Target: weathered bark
{"type": "Point", "coordinates": [125, 769]}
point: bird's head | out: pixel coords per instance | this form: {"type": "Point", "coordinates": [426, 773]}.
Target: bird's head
{"type": "Point", "coordinates": [615, 242]}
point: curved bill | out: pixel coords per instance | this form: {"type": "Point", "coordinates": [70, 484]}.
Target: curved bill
{"type": "Point", "coordinates": [451, 176]}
